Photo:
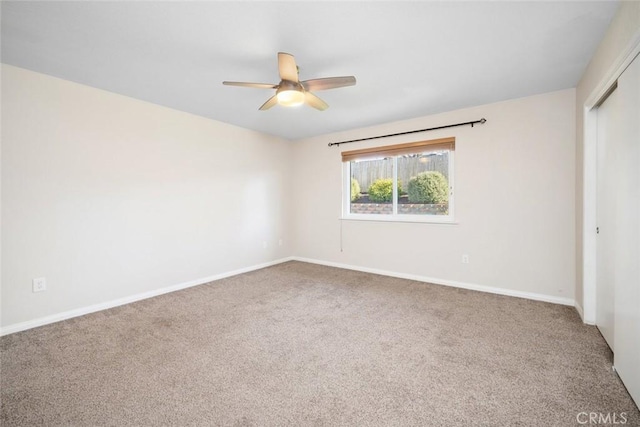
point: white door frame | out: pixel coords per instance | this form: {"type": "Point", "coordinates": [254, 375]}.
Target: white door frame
{"type": "Point", "coordinates": [590, 138]}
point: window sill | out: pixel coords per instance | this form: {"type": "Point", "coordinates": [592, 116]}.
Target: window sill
{"type": "Point", "coordinates": [398, 218]}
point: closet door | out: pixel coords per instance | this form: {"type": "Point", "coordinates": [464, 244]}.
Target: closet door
{"type": "Point", "coordinates": [607, 182]}
{"type": "Point", "coordinates": [627, 270]}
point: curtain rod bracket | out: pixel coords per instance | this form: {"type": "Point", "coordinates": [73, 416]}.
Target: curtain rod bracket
{"type": "Point", "coordinates": [337, 144]}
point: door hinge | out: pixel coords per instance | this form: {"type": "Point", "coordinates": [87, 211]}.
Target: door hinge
{"type": "Point", "coordinates": [597, 230]}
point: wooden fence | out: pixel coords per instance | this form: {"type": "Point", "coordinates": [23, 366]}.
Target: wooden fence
{"type": "Point", "coordinates": [366, 172]}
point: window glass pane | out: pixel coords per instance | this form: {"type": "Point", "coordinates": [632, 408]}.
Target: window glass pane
{"type": "Point", "coordinates": [372, 187]}
{"type": "Point", "coordinates": [424, 183]}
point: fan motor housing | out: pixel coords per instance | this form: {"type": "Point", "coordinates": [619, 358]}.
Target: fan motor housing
{"type": "Point", "coordinates": [289, 85]}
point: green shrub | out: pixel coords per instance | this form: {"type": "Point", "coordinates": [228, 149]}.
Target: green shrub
{"type": "Point", "coordinates": [428, 187]}
{"type": "Point", "coordinates": [355, 189]}
{"type": "Point", "coordinates": [381, 190]}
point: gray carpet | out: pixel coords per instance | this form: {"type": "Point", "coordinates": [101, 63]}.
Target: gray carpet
{"type": "Point", "coordinates": [301, 344]}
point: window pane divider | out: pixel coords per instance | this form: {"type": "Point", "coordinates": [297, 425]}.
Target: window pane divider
{"type": "Point", "coordinates": [395, 195]}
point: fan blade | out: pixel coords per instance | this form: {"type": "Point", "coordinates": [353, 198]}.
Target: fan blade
{"type": "Point", "coordinates": [256, 85]}
{"type": "Point", "coordinates": [270, 103]}
{"type": "Point", "coordinates": [315, 102]}
{"type": "Point", "coordinates": [328, 83]}
{"type": "Point", "coordinates": [287, 67]}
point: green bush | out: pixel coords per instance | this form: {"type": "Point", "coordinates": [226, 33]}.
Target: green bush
{"type": "Point", "coordinates": [428, 187]}
{"type": "Point", "coordinates": [381, 190]}
{"type": "Point", "coordinates": [355, 189]}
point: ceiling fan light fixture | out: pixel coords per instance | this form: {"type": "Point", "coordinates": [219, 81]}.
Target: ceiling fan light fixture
{"type": "Point", "coordinates": [291, 92]}
{"type": "Point", "coordinates": [290, 98]}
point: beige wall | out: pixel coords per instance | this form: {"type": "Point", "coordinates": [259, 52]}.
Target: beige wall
{"type": "Point", "coordinates": [108, 197]}
{"type": "Point", "coordinates": [514, 201]}
{"type": "Point", "coordinates": [624, 27]}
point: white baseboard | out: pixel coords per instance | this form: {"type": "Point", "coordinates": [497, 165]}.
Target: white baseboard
{"type": "Point", "coordinates": [452, 283]}
{"type": "Point", "coordinates": [23, 326]}
{"type": "Point", "coordinates": [580, 311]}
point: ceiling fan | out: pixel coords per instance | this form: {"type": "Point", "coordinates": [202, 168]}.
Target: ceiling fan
{"type": "Point", "coordinates": [291, 92]}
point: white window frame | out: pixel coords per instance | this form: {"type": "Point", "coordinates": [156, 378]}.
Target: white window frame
{"type": "Point", "coordinates": [395, 217]}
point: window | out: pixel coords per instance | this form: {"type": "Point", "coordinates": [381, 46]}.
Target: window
{"type": "Point", "coordinates": [404, 182]}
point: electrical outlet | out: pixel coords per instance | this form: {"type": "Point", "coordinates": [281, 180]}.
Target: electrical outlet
{"type": "Point", "coordinates": [465, 259]}
{"type": "Point", "coordinates": [39, 284]}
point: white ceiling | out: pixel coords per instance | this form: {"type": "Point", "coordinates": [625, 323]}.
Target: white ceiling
{"type": "Point", "coordinates": [410, 58]}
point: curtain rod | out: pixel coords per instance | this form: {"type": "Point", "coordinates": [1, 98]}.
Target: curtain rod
{"type": "Point", "coordinates": [481, 121]}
